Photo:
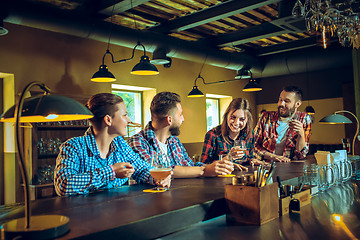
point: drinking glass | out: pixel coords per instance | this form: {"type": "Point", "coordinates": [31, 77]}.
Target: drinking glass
{"type": "Point", "coordinates": [160, 169]}
{"type": "Point", "coordinates": [305, 179]}
{"type": "Point", "coordinates": [347, 169]}
{"type": "Point", "coordinates": [327, 176]}
{"type": "Point", "coordinates": [222, 156]}
{"type": "Point", "coordinates": [298, 9]}
{"type": "Point", "coordinates": [314, 174]}
{"type": "Point", "coordinates": [238, 150]}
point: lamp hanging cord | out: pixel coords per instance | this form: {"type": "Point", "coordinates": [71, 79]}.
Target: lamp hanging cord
{"type": "Point", "coordinates": [122, 60]}
{"type": "Point", "coordinates": [111, 26]}
{"type": "Point", "coordinates": [131, 6]}
{"type": "Point", "coordinates": [199, 76]}
{"type": "Point", "coordinates": [203, 64]}
{"type": "Point", "coordinates": [221, 81]}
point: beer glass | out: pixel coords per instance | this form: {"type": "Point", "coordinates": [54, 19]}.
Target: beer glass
{"type": "Point", "coordinates": [238, 150]}
{"type": "Point", "coordinates": [327, 176]}
{"type": "Point", "coordinates": [160, 169]}
{"type": "Point", "coordinates": [221, 157]}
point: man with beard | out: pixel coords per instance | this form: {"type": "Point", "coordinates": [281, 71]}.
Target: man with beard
{"type": "Point", "coordinates": [160, 137]}
{"type": "Point", "coordinates": [284, 135]}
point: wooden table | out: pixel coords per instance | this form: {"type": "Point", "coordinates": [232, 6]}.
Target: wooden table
{"type": "Point", "coordinates": [192, 204]}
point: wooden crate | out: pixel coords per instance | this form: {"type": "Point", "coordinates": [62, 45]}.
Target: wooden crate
{"type": "Point", "coordinates": [304, 197]}
{"type": "Point", "coordinates": [250, 205]}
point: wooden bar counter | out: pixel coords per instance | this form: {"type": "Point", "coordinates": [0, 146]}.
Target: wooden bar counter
{"type": "Point", "coordinates": [195, 208]}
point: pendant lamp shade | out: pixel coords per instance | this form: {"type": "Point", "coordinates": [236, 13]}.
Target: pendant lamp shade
{"type": "Point", "coordinates": [144, 67]}
{"type": "Point", "coordinates": [310, 110]}
{"type": "Point", "coordinates": [103, 75]}
{"type": "Point", "coordinates": [195, 92]}
{"type": "Point", "coordinates": [252, 86]}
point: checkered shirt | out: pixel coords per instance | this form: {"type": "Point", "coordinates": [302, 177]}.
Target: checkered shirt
{"type": "Point", "coordinates": [215, 145]}
{"type": "Point", "coordinates": [80, 169]}
{"type": "Point", "coordinates": [266, 135]}
{"type": "Point", "coordinates": [146, 145]}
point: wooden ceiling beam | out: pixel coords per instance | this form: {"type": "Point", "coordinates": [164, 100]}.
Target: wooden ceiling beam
{"type": "Point", "coordinates": [261, 31]}
{"type": "Point", "coordinates": [214, 13]}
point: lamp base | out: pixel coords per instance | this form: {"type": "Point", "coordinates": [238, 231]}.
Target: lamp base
{"type": "Point", "coordinates": [41, 227]}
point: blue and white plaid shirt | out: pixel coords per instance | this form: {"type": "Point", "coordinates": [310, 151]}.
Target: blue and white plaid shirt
{"type": "Point", "coordinates": [80, 169]}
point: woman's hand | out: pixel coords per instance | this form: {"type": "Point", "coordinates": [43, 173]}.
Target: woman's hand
{"type": "Point", "coordinates": [220, 167]}
{"type": "Point", "coordinates": [237, 153]}
{"type": "Point", "coordinates": [123, 170]}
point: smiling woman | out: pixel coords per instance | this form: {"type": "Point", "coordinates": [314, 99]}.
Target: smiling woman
{"type": "Point", "coordinates": [236, 126]}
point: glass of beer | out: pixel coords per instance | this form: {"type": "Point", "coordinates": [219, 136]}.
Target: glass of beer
{"type": "Point", "coordinates": [238, 150]}
{"type": "Point", "coordinates": [160, 169]}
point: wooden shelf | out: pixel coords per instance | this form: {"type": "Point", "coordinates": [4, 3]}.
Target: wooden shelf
{"type": "Point", "coordinates": [48, 137]}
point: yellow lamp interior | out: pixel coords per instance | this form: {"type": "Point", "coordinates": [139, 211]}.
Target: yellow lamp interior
{"type": "Point", "coordinates": [252, 89]}
{"type": "Point", "coordinates": [104, 79]}
{"type": "Point", "coordinates": [38, 118]}
{"type": "Point", "coordinates": [195, 96]}
{"type": "Point", "coordinates": [144, 72]}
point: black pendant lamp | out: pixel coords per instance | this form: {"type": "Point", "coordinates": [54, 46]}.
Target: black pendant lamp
{"type": "Point", "coordinates": [103, 75]}
{"type": "Point", "coordinates": [252, 86]}
{"type": "Point", "coordinates": [310, 110]}
{"type": "Point", "coordinates": [144, 67]}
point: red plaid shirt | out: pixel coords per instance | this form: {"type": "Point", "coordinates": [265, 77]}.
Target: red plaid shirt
{"type": "Point", "coordinates": [145, 144]}
{"type": "Point", "coordinates": [266, 135]}
{"type": "Point", "coordinates": [215, 145]}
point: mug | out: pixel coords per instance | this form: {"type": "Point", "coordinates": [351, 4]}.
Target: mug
{"type": "Point", "coordinates": [327, 176]}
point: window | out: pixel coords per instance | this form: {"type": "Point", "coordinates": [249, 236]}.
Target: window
{"type": "Point", "coordinates": [133, 102]}
{"type": "Point", "coordinates": [212, 113]}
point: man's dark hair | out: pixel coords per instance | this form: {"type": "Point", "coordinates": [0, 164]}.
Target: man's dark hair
{"type": "Point", "coordinates": [298, 92]}
{"type": "Point", "coordinates": [102, 104]}
{"type": "Point", "coordinates": [163, 103]}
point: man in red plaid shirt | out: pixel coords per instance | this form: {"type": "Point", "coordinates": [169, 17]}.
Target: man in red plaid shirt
{"type": "Point", "coordinates": [283, 135]}
{"type": "Point", "coordinates": [160, 137]}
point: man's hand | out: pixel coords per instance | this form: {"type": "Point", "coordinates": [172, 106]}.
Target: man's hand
{"type": "Point", "coordinates": [257, 162]}
{"type": "Point", "coordinates": [277, 158]}
{"type": "Point", "coordinates": [297, 126]}
{"type": "Point", "coordinates": [123, 170]}
{"type": "Point", "coordinates": [164, 182]}
{"type": "Point", "coordinates": [220, 167]}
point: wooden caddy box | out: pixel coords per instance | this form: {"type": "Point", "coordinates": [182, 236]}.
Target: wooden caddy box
{"type": "Point", "coordinates": [250, 205]}
{"type": "Point", "coordinates": [304, 197]}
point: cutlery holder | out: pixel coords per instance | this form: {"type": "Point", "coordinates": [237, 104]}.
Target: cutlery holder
{"type": "Point", "coordinates": [248, 205]}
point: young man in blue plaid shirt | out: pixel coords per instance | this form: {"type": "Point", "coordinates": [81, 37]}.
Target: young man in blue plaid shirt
{"type": "Point", "coordinates": [160, 137]}
{"type": "Point", "coordinates": [101, 158]}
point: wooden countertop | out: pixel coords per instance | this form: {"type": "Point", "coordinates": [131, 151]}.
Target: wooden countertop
{"type": "Point", "coordinates": [129, 213]}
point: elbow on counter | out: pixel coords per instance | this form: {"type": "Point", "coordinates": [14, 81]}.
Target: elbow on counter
{"type": "Point", "coordinates": [61, 187]}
